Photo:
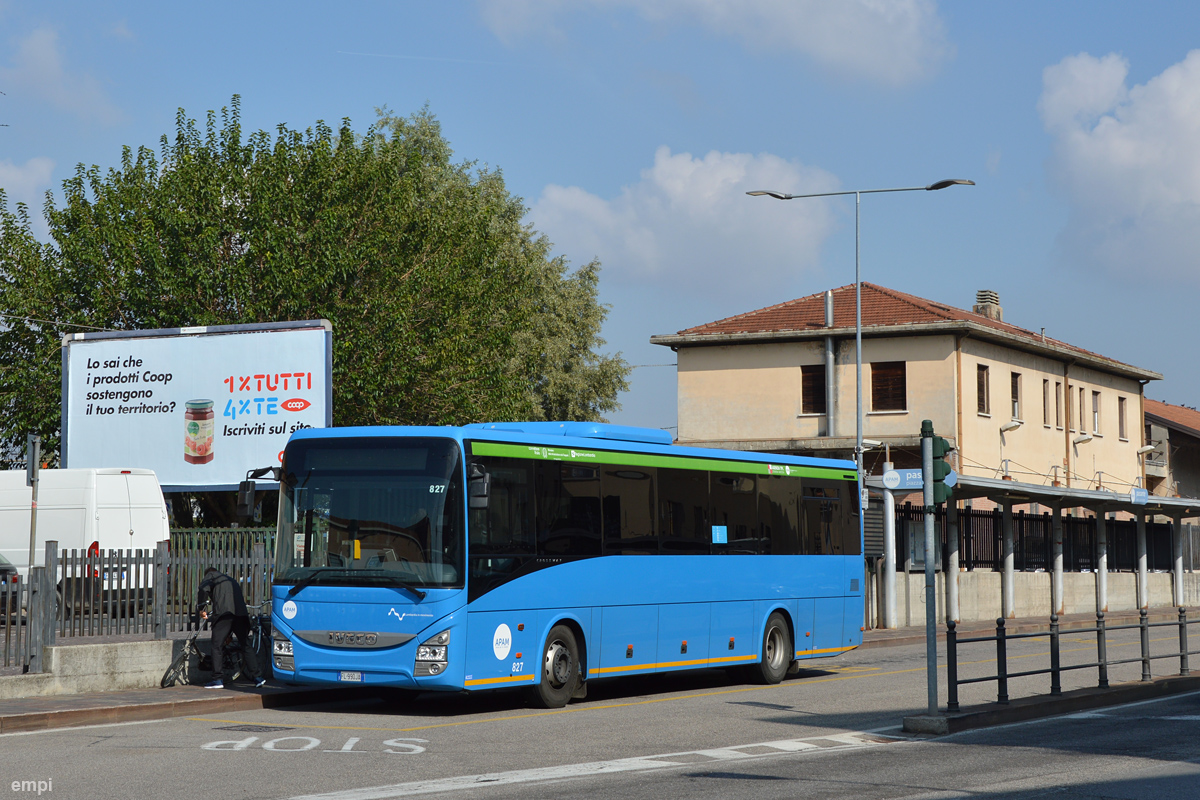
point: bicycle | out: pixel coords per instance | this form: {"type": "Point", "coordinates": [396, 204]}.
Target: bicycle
{"type": "Point", "coordinates": [258, 641]}
{"type": "Point", "coordinates": [178, 671]}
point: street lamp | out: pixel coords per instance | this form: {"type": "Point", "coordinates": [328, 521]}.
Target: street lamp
{"type": "Point", "coordinates": [930, 613]}
{"type": "Point", "coordinates": [858, 414]}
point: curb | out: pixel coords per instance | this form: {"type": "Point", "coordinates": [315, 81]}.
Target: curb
{"type": "Point", "coordinates": [1039, 706]}
{"type": "Point", "coordinates": [133, 711]}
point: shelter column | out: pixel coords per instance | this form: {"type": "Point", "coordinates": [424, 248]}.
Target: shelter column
{"type": "Point", "coordinates": [1056, 557]}
{"type": "Point", "coordinates": [889, 559]}
{"type": "Point", "coordinates": [952, 561]}
{"type": "Point", "coordinates": [1008, 591]}
{"type": "Point", "coordinates": [1143, 586]}
{"type": "Point", "coordinates": [1101, 561]}
{"type": "Point", "coordinates": [1177, 540]}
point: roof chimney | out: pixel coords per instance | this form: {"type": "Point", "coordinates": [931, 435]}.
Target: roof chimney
{"type": "Point", "coordinates": [987, 303]}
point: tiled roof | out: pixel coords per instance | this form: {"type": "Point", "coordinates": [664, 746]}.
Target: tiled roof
{"type": "Point", "coordinates": [1175, 416]}
{"type": "Point", "coordinates": [881, 308]}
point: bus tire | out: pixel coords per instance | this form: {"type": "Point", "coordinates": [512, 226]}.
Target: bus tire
{"type": "Point", "coordinates": [777, 653]}
{"type": "Point", "coordinates": [559, 676]}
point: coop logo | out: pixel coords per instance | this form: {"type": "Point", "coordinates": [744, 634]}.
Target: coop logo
{"type": "Point", "coordinates": [502, 642]}
{"type": "Point", "coordinates": [295, 404]}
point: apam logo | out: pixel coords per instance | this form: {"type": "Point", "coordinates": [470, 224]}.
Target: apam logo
{"type": "Point", "coordinates": [295, 404]}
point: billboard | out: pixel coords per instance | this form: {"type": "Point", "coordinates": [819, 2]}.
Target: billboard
{"type": "Point", "coordinates": [199, 406]}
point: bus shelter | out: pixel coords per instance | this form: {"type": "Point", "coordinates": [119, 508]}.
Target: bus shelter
{"type": "Point", "coordinates": [1009, 493]}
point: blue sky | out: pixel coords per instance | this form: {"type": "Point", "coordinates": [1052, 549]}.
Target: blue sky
{"type": "Point", "coordinates": [633, 129]}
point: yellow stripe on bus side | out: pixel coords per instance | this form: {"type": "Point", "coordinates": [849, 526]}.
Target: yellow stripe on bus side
{"type": "Point", "coordinates": [697, 663]}
{"type": "Point", "coordinates": [509, 679]}
{"type": "Point", "coordinates": [826, 650]}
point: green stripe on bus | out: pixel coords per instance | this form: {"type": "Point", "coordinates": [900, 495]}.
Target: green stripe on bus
{"type": "Point", "coordinates": [575, 455]}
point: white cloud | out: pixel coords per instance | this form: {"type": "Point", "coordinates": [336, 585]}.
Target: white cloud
{"type": "Point", "coordinates": [27, 184]}
{"type": "Point", "coordinates": [688, 225]}
{"type": "Point", "coordinates": [893, 42]}
{"type": "Point", "coordinates": [37, 69]}
{"type": "Point", "coordinates": [1127, 162]}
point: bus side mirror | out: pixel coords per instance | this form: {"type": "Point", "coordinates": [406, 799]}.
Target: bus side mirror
{"type": "Point", "coordinates": [479, 486]}
{"type": "Point", "coordinates": [245, 499]}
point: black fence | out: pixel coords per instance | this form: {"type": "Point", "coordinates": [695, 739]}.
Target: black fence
{"type": "Point", "coordinates": [1055, 670]}
{"type": "Point", "coordinates": [980, 541]}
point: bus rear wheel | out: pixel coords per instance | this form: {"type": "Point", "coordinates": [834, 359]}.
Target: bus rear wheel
{"type": "Point", "coordinates": [777, 653]}
{"type": "Point", "coordinates": [559, 676]}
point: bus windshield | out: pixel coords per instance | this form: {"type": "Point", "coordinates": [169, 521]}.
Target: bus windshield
{"type": "Point", "coordinates": [371, 511]}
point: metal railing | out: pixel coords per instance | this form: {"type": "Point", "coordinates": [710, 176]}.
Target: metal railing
{"type": "Point", "coordinates": [1055, 670]}
{"type": "Point", "coordinates": [980, 538]}
{"type": "Point", "coordinates": [122, 592]}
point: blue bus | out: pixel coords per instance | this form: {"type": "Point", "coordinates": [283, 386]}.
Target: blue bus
{"type": "Point", "coordinates": [544, 555]}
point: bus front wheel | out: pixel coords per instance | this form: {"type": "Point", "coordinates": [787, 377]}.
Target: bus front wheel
{"type": "Point", "coordinates": [559, 677]}
{"type": "Point", "coordinates": [777, 651]}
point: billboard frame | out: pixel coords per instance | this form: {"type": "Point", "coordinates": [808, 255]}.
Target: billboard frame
{"type": "Point", "coordinates": [196, 330]}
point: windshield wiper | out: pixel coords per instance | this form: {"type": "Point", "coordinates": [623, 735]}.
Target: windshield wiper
{"type": "Point", "coordinates": [311, 577]}
{"type": "Point", "coordinates": [403, 585]}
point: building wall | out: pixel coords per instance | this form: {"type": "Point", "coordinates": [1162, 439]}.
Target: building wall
{"type": "Point", "coordinates": [752, 391]}
{"type": "Point", "coordinates": [746, 391]}
{"type": "Point", "coordinates": [1044, 440]}
{"type": "Point", "coordinates": [930, 378]}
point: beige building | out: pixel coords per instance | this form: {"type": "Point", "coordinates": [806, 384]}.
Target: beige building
{"type": "Point", "coordinates": [1173, 466]}
{"type": "Point", "coordinates": [1014, 402]}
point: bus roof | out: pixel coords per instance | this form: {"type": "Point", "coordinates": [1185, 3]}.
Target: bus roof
{"type": "Point", "coordinates": [583, 435]}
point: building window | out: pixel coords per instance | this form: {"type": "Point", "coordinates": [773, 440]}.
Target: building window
{"type": "Point", "coordinates": [889, 390]}
{"type": "Point", "coordinates": [1058, 404]}
{"type": "Point", "coordinates": [1082, 410]}
{"type": "Point", "coordinates": [1096, 413]}
{"type": "Point", "coordinates": [812, 389]}
{"type": "Point", "coordinates": [1046, 402]}
{"type": "Point", "coordinates": [1122, 431]}
{"type": "Point", "coordinates": [985, 406]}
{"type": "Point", "coordinates": [1015, 380]}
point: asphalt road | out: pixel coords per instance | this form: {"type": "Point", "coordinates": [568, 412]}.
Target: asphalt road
{"type": "Point", "coordinates": [831, 731]}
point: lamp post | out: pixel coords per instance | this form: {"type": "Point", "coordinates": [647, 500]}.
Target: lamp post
{"type": "Point", "coordinates": [858, 414]}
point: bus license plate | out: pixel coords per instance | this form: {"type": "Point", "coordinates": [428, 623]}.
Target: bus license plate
{"type": "Point", "coordinates": [350, 677]}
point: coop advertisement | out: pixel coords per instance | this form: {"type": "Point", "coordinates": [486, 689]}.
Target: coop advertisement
{"type": "Point", "coordinates": [199, 406]}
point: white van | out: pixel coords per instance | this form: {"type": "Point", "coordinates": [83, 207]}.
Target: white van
{"type": "Point", "coordinates": [106, 509]}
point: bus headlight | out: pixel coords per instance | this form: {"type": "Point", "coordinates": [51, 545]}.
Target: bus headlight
{"type": "Point", "coordinates": [432, 655]}
{"type": "Point", "coordinates": [281, 652]}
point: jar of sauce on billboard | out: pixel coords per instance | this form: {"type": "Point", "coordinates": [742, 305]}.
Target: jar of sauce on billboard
{"type": "Point", "coordinates": [198, 427]}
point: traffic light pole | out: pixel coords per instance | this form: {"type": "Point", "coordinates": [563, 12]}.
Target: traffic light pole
{"type": "Point", "coordinates": [930, 545]}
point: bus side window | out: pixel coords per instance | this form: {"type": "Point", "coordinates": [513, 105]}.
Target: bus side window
{"type": "Point", "coordinates": [683, 512]}
{"type": "Point", "coordinates": [568, 510]}
{"type": "Point", "coordinates": [734, 501]}
{"type": "Point", "coordinates": [779, 515]}
{"type": "Point", "coordinates": [628, 508]}
{"type": "Point", "coordinates": [506, 525]}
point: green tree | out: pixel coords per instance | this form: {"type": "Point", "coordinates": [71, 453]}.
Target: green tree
{"type": "Point", "coordinates": [446, 308]}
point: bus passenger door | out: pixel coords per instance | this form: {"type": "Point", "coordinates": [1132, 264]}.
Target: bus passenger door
{"type": "Point", "coordinates": [827, 631]}
{"type": "Point", "coordinates": [629, 639]}
{"type": "Point", "coordinates": [683, 634]}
